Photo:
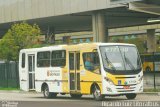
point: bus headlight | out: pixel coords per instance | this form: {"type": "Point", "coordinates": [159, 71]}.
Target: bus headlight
{"type": "Point", "coordinates": [139, 81]}
{"type": "Point", "coordinates": [109, 81]}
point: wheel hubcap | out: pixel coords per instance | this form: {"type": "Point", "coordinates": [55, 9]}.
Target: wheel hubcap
{"type": "Point", "coordinates": [97, 93]}
{"type": "Point", "coordinates": [46, 92]}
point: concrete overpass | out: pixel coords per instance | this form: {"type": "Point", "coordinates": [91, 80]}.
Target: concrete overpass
{"type": "Point", "coordinates": [60, 16]}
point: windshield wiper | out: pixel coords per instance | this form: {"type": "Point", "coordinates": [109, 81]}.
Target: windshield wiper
{"type": "Point", "coordinates": [109, 62]}
{"type": "Point", "coordinates": [129, 63]}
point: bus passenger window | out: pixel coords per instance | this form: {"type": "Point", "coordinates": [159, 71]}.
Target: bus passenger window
{"type": "Point", "coordinates": [43, 59]}
{"type": "Point", "coordinates": [58, 58]}
{"type": "Point", "coordinates": [91, 62]}
{"type": "Point", "coordinates": [71, 61]}
{"type": "Point", "coordinates": [23, 60]}
{"type": "Point", "coordinates": [78, 61]}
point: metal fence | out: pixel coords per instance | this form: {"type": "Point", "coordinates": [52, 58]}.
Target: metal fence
{"type": "Point", "coordinates": [151, 80]}
{"type": "Point", "coordinates": [9, 75]}
{"type": "Point", "coordinates": [151, 67]}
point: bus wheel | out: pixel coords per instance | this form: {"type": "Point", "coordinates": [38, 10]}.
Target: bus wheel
{"type": "Point", "coordinates": [97, 93]}
{"type": "Point", "coordinates": [48, 94]}
{"type": "Point", "coordinates": [131, 96]}
{"type": "Point", "coordinates": [76, 95]}
{"type": "Point", "coordinates": [148, 69]}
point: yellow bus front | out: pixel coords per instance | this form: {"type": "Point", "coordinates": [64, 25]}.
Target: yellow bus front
{"type": "Point", "coordinates": [121, 70]}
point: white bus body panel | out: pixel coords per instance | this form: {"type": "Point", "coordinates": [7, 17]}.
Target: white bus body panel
{"type": "Point", "coordinates": [53, 80]}
{"type": "Point", "coordinates": [24, 72]}
{"type": "Point", "coordinates": [52, 76]}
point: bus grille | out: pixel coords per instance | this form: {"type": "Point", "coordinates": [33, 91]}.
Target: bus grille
{"type": "Point", "coordinates": [121, 89]}
{"type": "Point", "coordinates": [125, 91]}
{"type": "Point", "coordinates": [125, 77]}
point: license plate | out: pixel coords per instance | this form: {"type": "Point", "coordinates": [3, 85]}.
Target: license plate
{"type": "Point", "coordinates": [126, 87]}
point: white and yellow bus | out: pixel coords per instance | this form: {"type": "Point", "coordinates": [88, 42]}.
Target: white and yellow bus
{"type": "Point", "coordinates": [100, 69]}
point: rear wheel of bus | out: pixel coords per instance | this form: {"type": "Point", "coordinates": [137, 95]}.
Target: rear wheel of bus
{"type": "Point", "coordinates": [131, 96]}
{"type": "Point", "coordinates": [97, 93]}
{"type": "Point", "coordinates": [48, 94]}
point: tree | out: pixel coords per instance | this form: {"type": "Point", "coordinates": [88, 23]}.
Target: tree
{"type": "Point", "coordinates": [19, 36]}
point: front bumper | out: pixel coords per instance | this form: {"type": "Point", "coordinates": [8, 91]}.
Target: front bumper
{"type": "Point", "coordinates": [121, 89]}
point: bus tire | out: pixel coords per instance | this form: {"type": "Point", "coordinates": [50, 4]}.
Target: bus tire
{"type": "Point", "coordinates": [131, 96]}
{"type": "Point", "coordinates": [48, 94]}
{"type": "Point", "coordinates": [148, 69]}
{"type": "Point", "coordinates": [97, 93]}
{"type": "Point", "coordinates": [76, 95]}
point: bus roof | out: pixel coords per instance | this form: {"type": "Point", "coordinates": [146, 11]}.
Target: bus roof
{"type": "Point", "coordinates": [60, 47]}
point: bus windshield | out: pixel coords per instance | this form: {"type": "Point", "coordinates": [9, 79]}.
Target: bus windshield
{"type": "Point", "coordinates": [120, 58]}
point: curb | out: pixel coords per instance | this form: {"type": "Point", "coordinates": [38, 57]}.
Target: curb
{"type": "Point", "coordinates": [151, 93]}
{"type": "Point", "coordinates": [9, 91]}
{"type": "Point", "coordinates": [16, 91]}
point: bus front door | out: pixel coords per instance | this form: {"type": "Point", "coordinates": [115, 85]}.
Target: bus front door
{"type": "Point", "coordinates": [74, 71]}
{"type": "Point", "coordinates": [31, 69]}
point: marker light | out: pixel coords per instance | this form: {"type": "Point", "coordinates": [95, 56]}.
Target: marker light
{"type": "Point", "coordinates": [109, 81]}
{"type": "Point", "coordinates": [139, 81]}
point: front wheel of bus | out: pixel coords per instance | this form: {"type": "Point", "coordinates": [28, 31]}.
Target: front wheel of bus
{"type": "Point", "coordinates": [97, 94]}
{"type": "Point", "coordinates": [48, 94]}
{"type": "Point", "coordinates": [131, 96]}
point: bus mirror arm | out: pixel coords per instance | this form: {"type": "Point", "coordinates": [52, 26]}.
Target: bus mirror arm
{"type": "Point", "coordinates": [100, 70]}
{"type": "Point", "coordinates": [94, 50]}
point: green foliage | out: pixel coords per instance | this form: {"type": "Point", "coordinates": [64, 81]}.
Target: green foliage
{"type": "Point", "coordinates": [19, 36]}
{"type": "Point", "coordinates": [138, 42]}
{"type": "Point", "coordinates": [9, 89]}
{"type": "Point", "coordinates": [151, 90]}
{"type": "Point", "coordinates": [41, 45]}
{"type": "Point", "coordinates": [130, 39]}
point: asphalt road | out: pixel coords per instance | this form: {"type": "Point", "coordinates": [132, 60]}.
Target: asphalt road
{"type": "Point", "coordinates": [21, 99]}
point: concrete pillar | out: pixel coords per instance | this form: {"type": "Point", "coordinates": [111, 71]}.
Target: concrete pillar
{"type": "Point", "coordinates": [151, 40]}
{"type": "Point", "coordinates": [52, 38]}
{"type": "Point", "coordinates": [66, 39]}
{"type": "Point", "coordinates": [49, 35]}
{"type": "Point", "coordinates": [99, 28]}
